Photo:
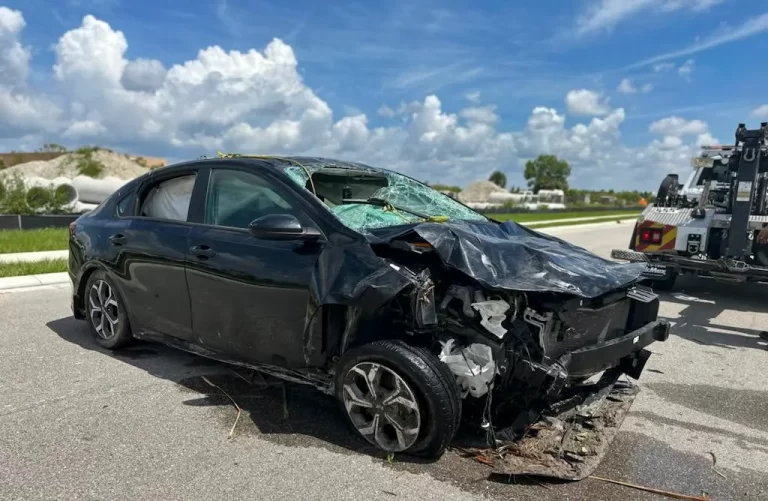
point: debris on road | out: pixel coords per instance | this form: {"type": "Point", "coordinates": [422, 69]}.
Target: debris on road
{"type": "Point", "coordinates": [569, 445]}
{"type": "Point", "coordinates": [661, 492]}
{"type": "Point", "coordinates": [239, 411]}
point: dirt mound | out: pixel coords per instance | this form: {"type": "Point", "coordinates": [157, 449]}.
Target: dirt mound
{"type": "Point", "coordinates": [91, 162]}
{"type": "Point", "coordinates": [479, 191]}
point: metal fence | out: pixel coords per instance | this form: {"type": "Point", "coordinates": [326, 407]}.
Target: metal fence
{"type": "Point", "coordinates": [36, 222]}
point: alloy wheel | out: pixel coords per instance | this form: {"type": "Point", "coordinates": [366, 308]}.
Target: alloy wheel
{"type": "Point", "coordinates": [381, 406]}
{"type": "Point", "coordinates": [103, 309]}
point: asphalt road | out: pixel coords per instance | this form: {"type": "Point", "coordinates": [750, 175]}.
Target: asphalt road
{"type": "Point", "coordinates": [77, 422]}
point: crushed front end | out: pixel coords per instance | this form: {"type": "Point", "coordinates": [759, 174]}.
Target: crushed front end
{"type": "Point", "coordinates": [535, 367]}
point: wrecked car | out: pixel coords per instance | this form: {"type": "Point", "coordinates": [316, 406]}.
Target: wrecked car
{"type": "Point", "coordinates": [416, 312]}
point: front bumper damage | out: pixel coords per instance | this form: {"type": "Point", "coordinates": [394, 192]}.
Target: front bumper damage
{"type": "Point", "coordinates": [540, 417]}
{"type": "Point", "coordinates": [567, 441]}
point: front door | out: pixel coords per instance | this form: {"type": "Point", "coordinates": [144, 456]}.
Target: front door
{"type": "Point", "coordinates": [250, 297]}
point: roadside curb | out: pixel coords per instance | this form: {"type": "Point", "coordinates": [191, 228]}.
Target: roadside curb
{"type": "Point", "coordinates": [28, 257]}
{"type": "Point", "coordinates": [575, 227]}
{"type": "Point", "coordinates": [28, 281]}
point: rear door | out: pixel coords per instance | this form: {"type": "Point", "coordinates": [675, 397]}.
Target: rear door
{"type": "Point", "coordinates": [250, 297]}
{"type": "Point", "coordinates": [151, 249]}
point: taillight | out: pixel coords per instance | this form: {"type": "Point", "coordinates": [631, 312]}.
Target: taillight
{"type": "Point", "coordinates": [651, 236]}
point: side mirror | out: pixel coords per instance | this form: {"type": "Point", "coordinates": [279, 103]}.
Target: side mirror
{"type": "Point", "coordinates": [281, 227]}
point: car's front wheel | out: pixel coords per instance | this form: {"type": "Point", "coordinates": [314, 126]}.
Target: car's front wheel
{"type": "Point", "coordinates": [399, 397]}
{"type": "Point", "coordinates": [106, 312]}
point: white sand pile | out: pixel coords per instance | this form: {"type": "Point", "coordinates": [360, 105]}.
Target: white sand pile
{"type": "Point", "coordinates": [479, 192]}
{"type": "Point", "coordinates": [68, 165]}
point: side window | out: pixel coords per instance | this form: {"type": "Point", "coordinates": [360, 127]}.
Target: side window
{"type": "Point", "coordinates": [170, 199]}
{"type": "Point", "coordinates": [235, 198]}
{"type": "Point", "coordinates": [124, 204]}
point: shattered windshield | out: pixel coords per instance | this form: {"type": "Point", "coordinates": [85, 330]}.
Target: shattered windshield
{"type": "Point", "coordinates": [364, 198]}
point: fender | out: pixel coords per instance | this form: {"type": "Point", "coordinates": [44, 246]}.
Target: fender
{"type": "Point", "coordinates": [81, 279]}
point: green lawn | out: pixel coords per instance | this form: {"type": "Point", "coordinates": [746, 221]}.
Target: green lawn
{"type": "Point", "coordinates": [33, 240]}
{"type": "Point", "coordinates": [546, 216]}
{"type": "Point", "coordinates": [33, 268]}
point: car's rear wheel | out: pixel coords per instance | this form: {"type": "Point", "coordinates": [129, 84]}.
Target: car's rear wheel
{"type": "Point", "coordinates": [106, 312]}
{"type": "Point", "coordinates": [400, 398]}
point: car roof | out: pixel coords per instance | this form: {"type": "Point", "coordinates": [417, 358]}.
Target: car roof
{"type": "Point", "coordinates": [279, 162]}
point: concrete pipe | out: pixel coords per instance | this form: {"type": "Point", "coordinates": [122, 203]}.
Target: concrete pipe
{"type": "Point", "coordinates": [38, 195]}
{"type": "Point", "coordinates": [82, 207]}
{"type": "Point", "coordinates": [95, 191]}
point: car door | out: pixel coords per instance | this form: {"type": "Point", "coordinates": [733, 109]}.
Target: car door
{"type": "Point", "coordinates": [250, 296]}
{"type": "Point", "coordinates": [151, 248]}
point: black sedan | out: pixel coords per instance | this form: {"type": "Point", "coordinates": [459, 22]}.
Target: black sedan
{"type": "Point", "coordinates": [407, 306]}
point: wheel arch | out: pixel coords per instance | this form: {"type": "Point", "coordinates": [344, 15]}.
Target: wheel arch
{"type": "Point", "coordinates": [88, 269]}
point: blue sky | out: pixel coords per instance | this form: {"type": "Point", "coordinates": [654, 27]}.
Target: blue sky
{"type": "Point", "coordinates": [692, 59]}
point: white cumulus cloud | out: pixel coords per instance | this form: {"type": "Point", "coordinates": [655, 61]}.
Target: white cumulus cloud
{"type": "Point", "coordinates": [678, 127]}
{"type": "Point", "coordinates": [627, 87]}
{"type": "Point", "coordinates": [760, 111]}
{"type": "Point", "coordinates": [257, 101]}
{"type": "Point", "coordinates": [584, 102]}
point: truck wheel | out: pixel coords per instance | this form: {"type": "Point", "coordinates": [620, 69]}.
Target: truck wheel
{"type": "Point", "coordinates": [667, 185]}
{"type": "Point", "coordinates": [667, 283]}
{"type": "Point", "coordinates": [761, 253]}
{"type": "Point", "coordinates": [399, 397]}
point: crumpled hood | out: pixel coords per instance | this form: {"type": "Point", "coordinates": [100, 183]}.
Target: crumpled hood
{"type": "Point", "coordinates": [513, 257]}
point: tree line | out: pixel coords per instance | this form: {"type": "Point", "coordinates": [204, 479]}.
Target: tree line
{"type": "Point", "coordinates": [547, 172]}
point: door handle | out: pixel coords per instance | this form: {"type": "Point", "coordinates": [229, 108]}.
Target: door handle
{"type": "Point", "coordinates": [117, 239]}
{"type": "Point", "coordinates": [202, 251]}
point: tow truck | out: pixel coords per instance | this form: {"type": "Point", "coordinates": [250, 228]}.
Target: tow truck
{"type": "Point", "coordinates": [708, 225]}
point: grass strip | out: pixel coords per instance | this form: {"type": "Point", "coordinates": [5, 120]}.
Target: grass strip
{"type": "Point", "coordinates": [46, 239]}
{"type": "Point", "coordinates": [21, 268]}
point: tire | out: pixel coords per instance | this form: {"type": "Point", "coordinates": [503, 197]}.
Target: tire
{"type": "Point", "coordinates": [667, 283]}
{"type": "Point", "coordinates": [117, 332]}
{"type": "Point", "coordinates": [667, 185]}
{"type": "Point", "coordinates": [424, 380]}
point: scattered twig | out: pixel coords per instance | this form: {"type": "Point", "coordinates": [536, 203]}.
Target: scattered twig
{"type": "Point", "coordinates": [241, 377]}
{"type": "Point", "coordinates": [484, 460]}
{"type": "Point", "coordinates": [714, 463]}
{"type": "Point", "coordinates": [239, 411]}
{"type": "Point", "coordinates": [285, 403]}
{"type": "Point", "coordinates": [389, 492]}
{"type": "Point", "coordinates": [654, 491]}
{"type": "Point", "coordinates": [261, 376]}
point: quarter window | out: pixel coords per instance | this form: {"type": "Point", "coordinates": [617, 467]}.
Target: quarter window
{"type": "Point", "coordinates": [236, 198]}
{"type": "Point", "coordinates": [124, 204]}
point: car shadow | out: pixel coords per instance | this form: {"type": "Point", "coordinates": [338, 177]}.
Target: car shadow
{"type": "Point", "coordinates": [286, 413]}
{"type": "Point", "coordinates": [705, 300]}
